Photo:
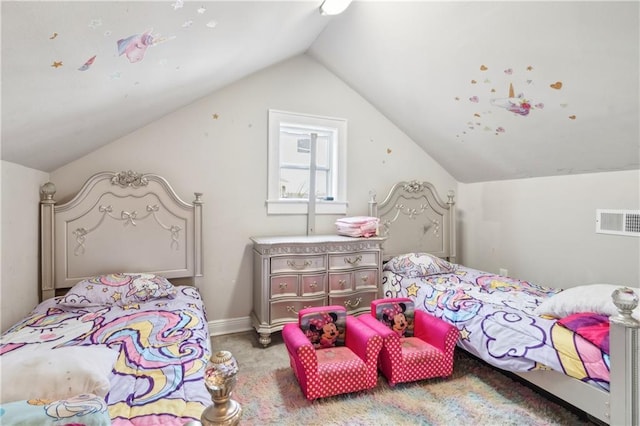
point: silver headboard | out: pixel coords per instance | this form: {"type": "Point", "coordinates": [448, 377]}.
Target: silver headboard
{"type": "Point", "coordinates": [119, 222]}
{"type": "Point", "coordinates": [415, 219]}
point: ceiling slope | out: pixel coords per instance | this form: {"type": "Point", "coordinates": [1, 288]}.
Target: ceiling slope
{"type": "Point", "coordinates": [69, 85]}
{"type": "Point", "coordinates": [499, 90]}
{"type": "Point", "coordinates": [491, 90]}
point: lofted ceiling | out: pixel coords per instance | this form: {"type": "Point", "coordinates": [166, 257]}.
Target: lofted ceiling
{"type": "Point", "coordinates": [491, 90]}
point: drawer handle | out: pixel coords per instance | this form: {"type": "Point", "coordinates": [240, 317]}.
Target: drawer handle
{"type": "Point", "coordinates": [292, 264]}
{"type": "Point", "coordinates": [313, 285]}
{"type": "Point", "coordinates": [365, 278]}
{"type": "Point", "coordinates": [283, 286]}
{"type": "Point", "coordinates": [348, 303]}
{"type": "Point", "coordinates": [353, 261]}
{"type": "Point", "coordinates": [293, 310]}
{"type": "Point", "coordinates": [342, 283]}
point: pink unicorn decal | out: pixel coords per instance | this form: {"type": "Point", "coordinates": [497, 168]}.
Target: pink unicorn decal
{"type": "Point", "coordinates": [135, 47]}
{"type": "Point", "coordinates": [516, 104]}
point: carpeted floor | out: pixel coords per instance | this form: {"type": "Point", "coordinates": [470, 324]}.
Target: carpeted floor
{"type": "Point", "coordinates": [475, 395]}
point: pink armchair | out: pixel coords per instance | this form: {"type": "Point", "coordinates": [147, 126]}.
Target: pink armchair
{"type": "Point", "coordinates": [416, 345]}
{"type": "Point", "coordinates": [331, 353]}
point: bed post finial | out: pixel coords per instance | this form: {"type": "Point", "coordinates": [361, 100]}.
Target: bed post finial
{"type": "Point", "coordinates": [626, 300]}
{"type": "Point", "coordinates": [47, 191]}
{"type": "Point", "coordinates": [373, 204]}
{"type": "Point", "coordinates": [450, 195]}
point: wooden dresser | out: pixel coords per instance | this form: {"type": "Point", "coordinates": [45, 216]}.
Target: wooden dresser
{"type": "Point", "coordinates": [295, 272]}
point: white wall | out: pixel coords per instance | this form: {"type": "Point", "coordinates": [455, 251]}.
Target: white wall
{"type": "Point", "coordinates": [20, 225]}
{"type": "Point", "coordinates": [543, 229]}
{"type": "Point", "coordinates": [226, 159]}
{"type": "Point", "coordinates": [540, 229]}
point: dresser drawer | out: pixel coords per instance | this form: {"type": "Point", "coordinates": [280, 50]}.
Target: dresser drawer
{"type": "Point", "coordinates": [284, 286]}
{"type": "Point", "coordinates": [352, 260]}
{"type": "Point", "coordinates": [340, 282]}
{"type": "Point", "coordinates": [365, 278]}
{"type": "Point", "coordinates": [313, 284]}
{"type": "Point", "coordinates": [283, 311]}
{"type": "Point", "coordinates": [297, 264]}
{"type": "Point", "coordinates": [355, 302]}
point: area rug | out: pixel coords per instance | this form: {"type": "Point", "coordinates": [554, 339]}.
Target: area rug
{"type": "Point", "coordinates": [475, 394]}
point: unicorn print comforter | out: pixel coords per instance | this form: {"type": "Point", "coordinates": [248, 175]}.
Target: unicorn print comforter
{"type": "Point", "coordinates": [495, 317]}
{"type": "Point", "coordinates": [162, 350]}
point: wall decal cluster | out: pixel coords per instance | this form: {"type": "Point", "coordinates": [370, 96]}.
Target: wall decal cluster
{"type": "Point", "coordinates": [504, 89]}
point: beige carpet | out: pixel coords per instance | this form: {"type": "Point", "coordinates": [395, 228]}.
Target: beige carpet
{"type": "Point", "coordinates": [476, 394]}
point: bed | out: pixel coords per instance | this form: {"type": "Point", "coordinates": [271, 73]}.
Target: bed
{"type": "Point", "coordinates": [121, 335]}
{"type": "Point", "coordinates": [584, 353]}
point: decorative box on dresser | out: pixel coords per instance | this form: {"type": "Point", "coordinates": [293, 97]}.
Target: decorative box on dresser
{"type": "Point", "coordinates": [295, 272]}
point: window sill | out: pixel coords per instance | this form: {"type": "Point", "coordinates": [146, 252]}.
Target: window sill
{"type": "Point", "coordinates": [302, 207]}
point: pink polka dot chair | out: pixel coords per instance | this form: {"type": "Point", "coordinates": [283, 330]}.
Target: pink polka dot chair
{"type": "Point", "coordinates": [331, 352]}
{"type": "Point", "coordinates": [416, 345]}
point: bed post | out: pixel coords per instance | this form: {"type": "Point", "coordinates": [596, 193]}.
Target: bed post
{"type": "Point", "coordinates": [47, 241]}
{"type": "Point", "coordinates": [197, 240]}
{"type": "Point", "coordinates": [452, 225]}
{"type": "Point", "coordinates": [625, 387]}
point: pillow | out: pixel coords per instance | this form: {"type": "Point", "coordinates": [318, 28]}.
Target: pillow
{"type": "Point", "coordinates": [119, 289]}
{"type": "Point", "coordinates": [324, 329]}
{"type": "Point", "coordinates": [594, 298]}
{"type": "Point", "coordinates": [398, 316]}
{"type": "Point", "coordinates": [414, 265]}
{"type": "Point", "coordinates": [84, 409]}
{"type": "Point", "coordinates": [57, 373]}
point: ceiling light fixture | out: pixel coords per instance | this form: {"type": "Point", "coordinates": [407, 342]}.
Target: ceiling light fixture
{"type": "Point", "coordinates": [334, 7]}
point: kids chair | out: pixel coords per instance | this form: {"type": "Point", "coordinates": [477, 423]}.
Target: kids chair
{"type": "Point", "coordinates": [416, 345]}
{"type": "Point", "coordinates": [331, 352]}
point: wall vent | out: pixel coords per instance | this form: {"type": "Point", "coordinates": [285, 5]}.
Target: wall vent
{"type": "Point", "coordinates": [618, 222]}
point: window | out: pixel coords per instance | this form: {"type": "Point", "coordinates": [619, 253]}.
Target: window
{"type": "Point", "coordinates": [296, 169]}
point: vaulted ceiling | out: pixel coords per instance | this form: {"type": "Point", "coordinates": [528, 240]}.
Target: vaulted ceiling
{"type": "Point", "coordinates": [491, 90]}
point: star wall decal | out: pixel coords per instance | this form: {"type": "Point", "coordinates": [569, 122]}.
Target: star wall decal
{"type": "Point", "coordinates": [56, 64]}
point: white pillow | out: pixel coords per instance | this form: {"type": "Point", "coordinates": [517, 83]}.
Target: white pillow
{"type": "Point", "coordinates": [594, 298]}
{"type": "Point", "coordinates": [57, 373]}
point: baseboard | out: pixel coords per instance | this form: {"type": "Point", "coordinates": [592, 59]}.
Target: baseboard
{"type": "Point", "coordinates": [229, 326]}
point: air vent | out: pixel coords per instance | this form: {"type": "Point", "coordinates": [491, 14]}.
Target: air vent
{"type": "Point", "coordinates": [618, 222]}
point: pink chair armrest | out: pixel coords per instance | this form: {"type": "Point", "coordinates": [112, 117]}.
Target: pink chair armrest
{"type": "Point", "coordinates": [359, 337]}
{"type": "Point", "coordinates": [389, 337]}
{"type": "Point", "coordinates": [302, 355]}
{"type": "Point", "coordinates": [377, 326]}
{"type": "Point", "coordinates": [296, 341]}
{"type": "Point", "coordinates": [435, 331]}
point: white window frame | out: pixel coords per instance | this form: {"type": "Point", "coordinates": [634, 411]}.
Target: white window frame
{"type": "Point", "coordinates": [278, 205]}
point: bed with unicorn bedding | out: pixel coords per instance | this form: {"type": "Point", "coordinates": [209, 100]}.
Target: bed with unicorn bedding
{"type": "Point", "coordinates": [579, 344]}
{"type": "Point", "coordinates": [498, 320]}
{"type": "Point", "coordinates": [141, 360]}
{"type": "Point", "coordinates": [120, 335]}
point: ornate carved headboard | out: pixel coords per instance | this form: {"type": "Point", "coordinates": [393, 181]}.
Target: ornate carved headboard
{"type": "Point", "coordinates": [119, 222]}
{"type": "Point", "coordinates": [415, 219]}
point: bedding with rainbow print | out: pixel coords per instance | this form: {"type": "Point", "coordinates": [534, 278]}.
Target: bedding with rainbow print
{"type": "Point", "coordinates": [497, 318]}
{"type": "Point", "coordinates": [142, 360]}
